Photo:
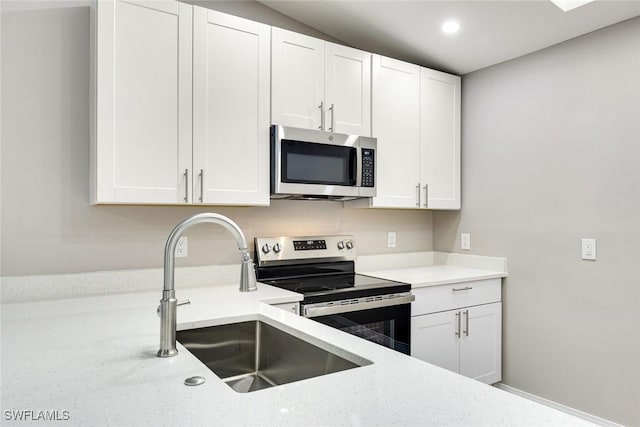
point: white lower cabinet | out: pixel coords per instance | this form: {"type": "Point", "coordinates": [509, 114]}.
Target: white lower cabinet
{"type": "Point", "coordinates": [459, 327]}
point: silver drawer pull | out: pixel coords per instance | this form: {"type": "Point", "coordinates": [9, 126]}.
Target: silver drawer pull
{"type": "Point", "coordinates": [466, 288]}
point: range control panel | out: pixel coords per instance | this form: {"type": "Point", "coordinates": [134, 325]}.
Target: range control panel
{"type": "Point", "coordinates": [309, 245]}
{"type": "Point", "coordinates": [288, 250]}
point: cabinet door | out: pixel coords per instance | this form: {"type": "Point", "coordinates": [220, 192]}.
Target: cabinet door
{"type": "Point", "coordinates": [440, 139]}
{"type": "Point", "coordinates": [395, 122]}
{"type": "Point", "coordinates": [347, 90]}
{"type": "Point", "coordinates": [434, 339]}
{"type": "Point", "coordinates": [297, 84]}
{"type": "Point", "coordinates": [481, 343]}
{"type": "Point", "coordinates": [231, 109]}
{"type": "Point", "coordinates": [142, 148]}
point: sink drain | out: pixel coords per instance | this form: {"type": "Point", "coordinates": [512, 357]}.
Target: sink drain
{"type": "Point", "coordinates": [191, 381]}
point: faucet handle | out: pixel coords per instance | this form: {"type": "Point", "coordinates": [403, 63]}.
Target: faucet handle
{"type": "Point", "coordinates": [247, 275]}
{"type": "Point", "coordinates": [183, 302]}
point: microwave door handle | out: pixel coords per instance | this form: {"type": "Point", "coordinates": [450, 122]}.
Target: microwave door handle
{"type": "Point", "coordinates": [356, 164]}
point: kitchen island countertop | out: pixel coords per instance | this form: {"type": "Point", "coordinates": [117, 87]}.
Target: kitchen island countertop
{"type": "Point", "coordinates": [95, 359]}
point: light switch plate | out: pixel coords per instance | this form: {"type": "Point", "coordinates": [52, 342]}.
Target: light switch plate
{"type": "Point", "coordinates": [589, 249]}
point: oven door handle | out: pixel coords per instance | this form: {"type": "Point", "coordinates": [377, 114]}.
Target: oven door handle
{"type": "Point", "coordinates": [311, 311]}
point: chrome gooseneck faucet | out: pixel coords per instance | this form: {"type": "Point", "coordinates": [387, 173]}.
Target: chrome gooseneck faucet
{"type": "Point", "coordinates": [168, 303]}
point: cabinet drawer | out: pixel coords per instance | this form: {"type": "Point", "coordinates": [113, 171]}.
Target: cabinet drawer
{"type": "Point", "coordinates": [448, 297]}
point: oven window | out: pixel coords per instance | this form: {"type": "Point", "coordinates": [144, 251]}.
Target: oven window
{"type": "Point", "coordinates": [387, 326]}
{"type": "Point", "coordinates": [378, 332]}
{"type": "Point", "coordinates": [310, 163]}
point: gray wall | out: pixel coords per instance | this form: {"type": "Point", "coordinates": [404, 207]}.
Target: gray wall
{"type": "Point", "coordinates": [550, 152]}
{"type": "Point", "coordinates": [48, 225]}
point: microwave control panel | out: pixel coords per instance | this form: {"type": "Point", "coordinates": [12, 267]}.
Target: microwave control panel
{"type": "Point", "coordinates": [368, 168]}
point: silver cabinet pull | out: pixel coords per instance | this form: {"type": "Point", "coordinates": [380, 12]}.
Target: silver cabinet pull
{"type": "Point", "coordinates": [333, 116]}
{"type": "Point", "coordinates": [458, 324]}
{"type": "Point", "coordinates": [466, 323]}
{"type": "Point", "coordinates": [321, 107]}
{"type": "Point", "coordinates": [466, 288]}
{"type": "Point", "coordinates": [418, 193]}
{"type": "Point", "coordinates": [186, 185]}
{"type": "Point", "coordinates": [426, 195]}
{"type": "Point", "coordinates": [201, 185]}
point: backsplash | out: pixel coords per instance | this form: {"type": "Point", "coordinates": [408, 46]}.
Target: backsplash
{"type": "Point", "coordinates": [76, 237]}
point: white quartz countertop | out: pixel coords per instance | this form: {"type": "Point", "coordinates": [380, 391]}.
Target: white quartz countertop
{"type": "Point", "coordinates": [95, 358]}
{"type": "Point", "coordinates": [422, 269]}
{"type": "Point", "coordinates": [434, 275]}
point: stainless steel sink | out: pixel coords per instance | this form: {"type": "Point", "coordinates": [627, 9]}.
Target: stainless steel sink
{"type": "Point", "coordinates": [253, 355]}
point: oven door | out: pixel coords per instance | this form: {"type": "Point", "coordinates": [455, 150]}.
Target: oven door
{"type": "Point", "coordinates": [385, 323]}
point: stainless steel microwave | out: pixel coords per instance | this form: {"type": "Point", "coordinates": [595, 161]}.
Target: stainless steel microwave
{"type": "Point", "coordinates": [312, 164]}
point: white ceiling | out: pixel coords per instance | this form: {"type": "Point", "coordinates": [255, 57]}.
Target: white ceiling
{"type": "Point", "coordinates": [490, 31]}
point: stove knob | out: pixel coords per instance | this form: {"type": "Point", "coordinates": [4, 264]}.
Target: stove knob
{"type": "Point", "coordinates": [340, 245]}
{"type": "Point", "coordinates": [266, 248]}
{"type": "Point", "coordinates": [349, 244]}
{"type": "Point", "coordinates": [277, 248]}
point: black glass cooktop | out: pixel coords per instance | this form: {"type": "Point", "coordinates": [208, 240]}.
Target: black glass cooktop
{"type": "Point", "coordinates": [331, 287]}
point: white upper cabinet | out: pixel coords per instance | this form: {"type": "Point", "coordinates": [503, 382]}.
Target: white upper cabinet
{"type": "Point", "coordinates": [440, 139]}
{"type": "Point", "coordinates": [231, 83]}
{"type": "Point", "coordinates": [141, 150]}
{"type": "Point", "coordinates": [416, 118]}
{"type": "Point", "coordinates": [396, 124]}
{"type": "Point", "coordinates": [182, 108]}
{"type": "Point", "coordinates": [347, 90]}
{"type": "Point", "coordinates": [319, 85]}
{"type": "Point", "coordinates": [297, 82]}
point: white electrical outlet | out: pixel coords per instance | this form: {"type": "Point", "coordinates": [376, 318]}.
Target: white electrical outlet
{"type": "Point", "coordinates": [465, 241]}
{"type": "Point", "coordinates": [391, 239]}
{"type": "Point", "coordinates": [589, 249]}
{"type": "Point", "coordinates": [182, 248]}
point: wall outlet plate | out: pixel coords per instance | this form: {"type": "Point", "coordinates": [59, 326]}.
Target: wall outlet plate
{"type": "Point", "coordinates": [391, 239]}
{"type": "Point", "coordinates": [465, 241]}
{"type": "Point", "coordinates": [182, 248]}
{"type": "Point", "coordinates": [589, 249]}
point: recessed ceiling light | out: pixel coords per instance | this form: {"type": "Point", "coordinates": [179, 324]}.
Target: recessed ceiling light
{"type": "Point", "coordinates": [450, 27]}
{"type": "Point", "coordinates": [567, 5]}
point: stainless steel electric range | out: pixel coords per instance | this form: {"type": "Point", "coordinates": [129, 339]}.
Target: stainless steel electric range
{"type": "Point", "coordinates": [322, 268]}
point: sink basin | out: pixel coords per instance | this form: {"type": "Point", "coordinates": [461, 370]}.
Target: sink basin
{"type": "Point", "coordinates": [254, 355]}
